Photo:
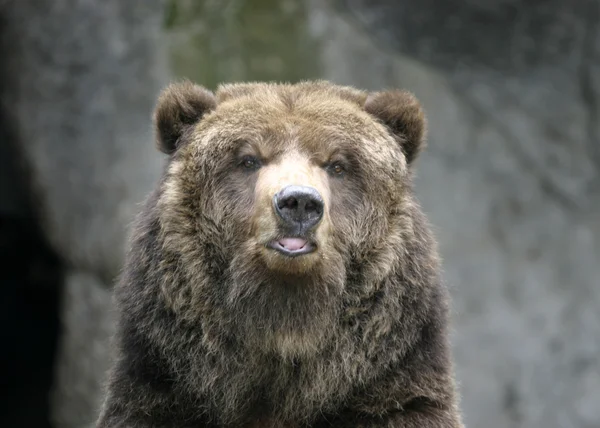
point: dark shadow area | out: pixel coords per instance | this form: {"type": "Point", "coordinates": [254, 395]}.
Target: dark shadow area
{"type": "Point", "coordinates": [29, 307]}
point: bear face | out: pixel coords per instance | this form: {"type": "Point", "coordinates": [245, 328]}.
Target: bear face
{"type": "Point", "coordinates": [291, 186]}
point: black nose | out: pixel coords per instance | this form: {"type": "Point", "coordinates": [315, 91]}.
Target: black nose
{"type": "Point", "coordinates": [299, 206]}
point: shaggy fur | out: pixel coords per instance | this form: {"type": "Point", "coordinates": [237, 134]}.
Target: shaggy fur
{"type": "Point", "coordinates": [215, 330]}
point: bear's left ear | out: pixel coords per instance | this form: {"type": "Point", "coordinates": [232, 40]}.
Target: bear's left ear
{"type": "Point", "coordinates": [179, 106]}
{"type": "Point", "coordinates": [401, 112]}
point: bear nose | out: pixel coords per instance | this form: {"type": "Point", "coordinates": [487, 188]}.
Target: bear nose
{"type": "Point", "coordinates": [299, 206]}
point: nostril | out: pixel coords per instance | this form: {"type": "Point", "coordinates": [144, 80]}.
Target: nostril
{"type": "Point", "coordinates": [311, 206]}
{"type": "Point", "coordinates": [291, 203]}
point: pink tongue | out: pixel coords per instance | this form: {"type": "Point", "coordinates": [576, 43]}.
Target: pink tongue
{"type": "Point", "coordinates": [292, 244]}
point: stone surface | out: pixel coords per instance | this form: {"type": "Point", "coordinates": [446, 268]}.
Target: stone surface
{"type": "Point", "coordinates": [80, 102]}
{"type": "Point", "coordinates": [79, 82]}
{"type": "Point", "coordinates": [87, 324]}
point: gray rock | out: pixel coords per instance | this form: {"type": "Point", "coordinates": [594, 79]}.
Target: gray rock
{"type": "Point", "coordinates": [79, 82]}
{"type": "Point", "coordinates": [87, 324]}
{"type": "Point", "coordinates": [82, 79]}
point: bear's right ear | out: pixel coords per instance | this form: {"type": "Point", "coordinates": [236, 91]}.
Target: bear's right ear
{"type": "Point", "coordinates": [179, 106]}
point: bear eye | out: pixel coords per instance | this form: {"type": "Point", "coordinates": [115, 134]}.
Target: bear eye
{"type": "Point", "coordinates": [250, 162]}
{"type": "Point", "coordinates": [336, 169]}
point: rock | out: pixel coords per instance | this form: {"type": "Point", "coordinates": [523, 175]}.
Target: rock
{"type": "Point", "coordinates": [79, 82]}
{"type": "Point", "coordinates": [87, 324]}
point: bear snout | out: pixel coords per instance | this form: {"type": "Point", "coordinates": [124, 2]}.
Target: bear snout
{"type": "Point", "coordinates": [299, 207]}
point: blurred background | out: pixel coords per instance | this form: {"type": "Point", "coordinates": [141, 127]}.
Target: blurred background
{"type": "Point", "coordinates": [510, 180]}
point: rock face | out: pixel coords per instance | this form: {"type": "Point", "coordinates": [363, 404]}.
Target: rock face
{"type": "Point", "coordinates": [79, 81]}
{"type": "Point", "coordinates": [511, 181]}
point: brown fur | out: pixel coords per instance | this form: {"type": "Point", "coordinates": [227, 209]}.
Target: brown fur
{"type": "Point", "coordinates": [216, 330]}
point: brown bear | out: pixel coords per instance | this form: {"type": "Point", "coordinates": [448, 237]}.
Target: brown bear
{"type": "Point", "coordinates": [282, 273]}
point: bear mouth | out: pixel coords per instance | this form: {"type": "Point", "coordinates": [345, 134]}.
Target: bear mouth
{"type": "Point", "coordinates": [292, 246]}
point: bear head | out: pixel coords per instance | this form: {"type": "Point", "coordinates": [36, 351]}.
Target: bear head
{"type": "Point", "coordinates": [282, 205]}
